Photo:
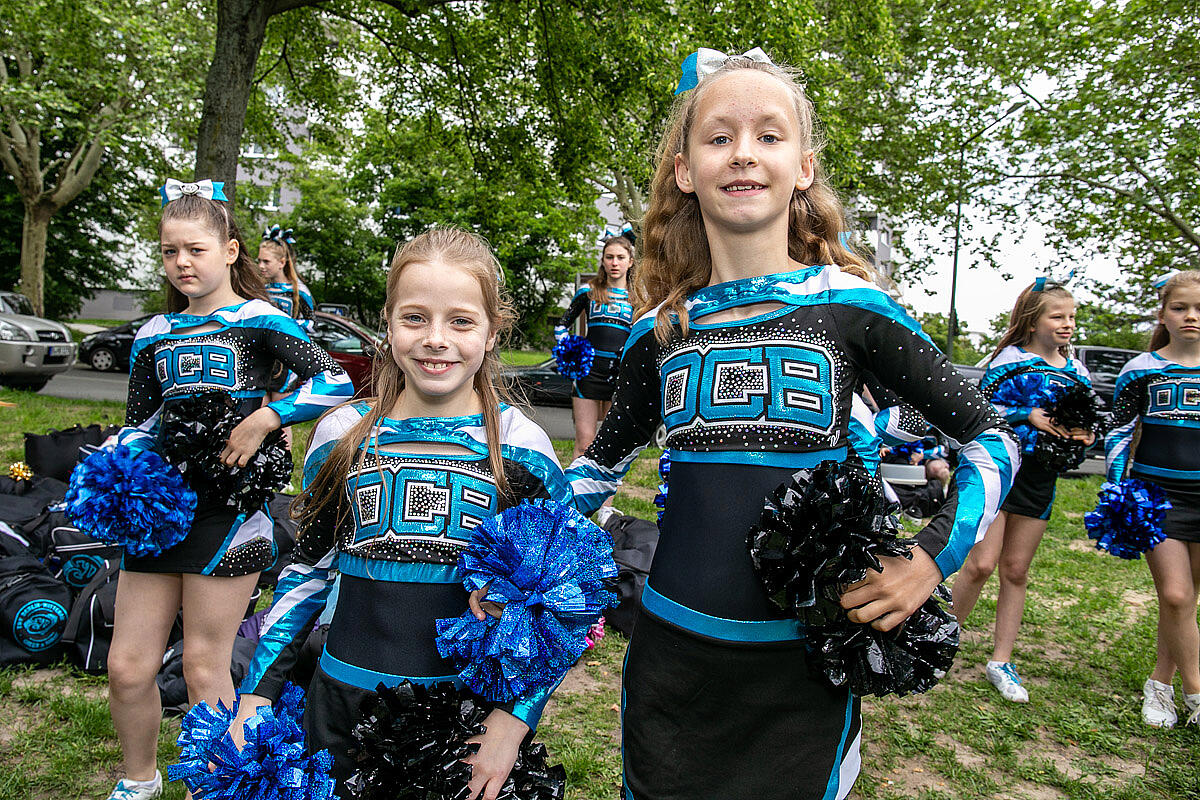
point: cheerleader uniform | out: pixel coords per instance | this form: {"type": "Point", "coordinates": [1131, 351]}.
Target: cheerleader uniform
{"type": "Point", "coordinates": [170, 361]}
{"type": "Point", "coordinates": [1165, 398]}
{"type": "Point", "coordinates": [718, 700]}
{"type": "Point", "coordinates": [410, 515]}
{"type": "Point", "coordinates": [607, 329]}
{"type": "Point", "coordinates": [280, 294]}
{"type": "Point", "coordinates": [1033, 489]}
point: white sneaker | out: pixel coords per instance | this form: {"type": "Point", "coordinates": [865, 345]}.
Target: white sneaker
{"type": "Point", "coordinates": [138, 790]}
{"type": "Point", "coordinates": [1158, 705]}
{"type": "Point", "coordinates": [1004, 677]}
{"type": "Point", "coordinates": [1191, 702]}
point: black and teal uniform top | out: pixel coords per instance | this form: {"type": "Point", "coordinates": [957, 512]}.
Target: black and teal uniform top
{"type": "Point", "coordinates": [232, 350]}
{"type": "Point", "coordinates": [284, 296]}
{"type": "Point", "coordinates": [1165, 398]}
{"type": "Point", "coordinates": [608, 325]}
{"type": "Point", "coordinates": [411, 504]}
{"type": "Point", "coordinates": [1013, 361]}
{"type": "Point", "coordinates": [746, 403]}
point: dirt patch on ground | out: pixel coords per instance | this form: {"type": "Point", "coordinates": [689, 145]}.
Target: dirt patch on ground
{"type": "Point", "coordinates": [38, 677]}
{"type": "Point", "coordinates": [578, 681]}
{"type": "Point", "coordinates": [639, 492]}
{"type": "Point", "coordinates": [913, 778]}
{"type": "Point", "coordinates": [1135, 602]}
{"type": "Point", "coordinates": [969, 757]}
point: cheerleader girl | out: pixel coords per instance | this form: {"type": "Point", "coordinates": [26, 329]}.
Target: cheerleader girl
{"type": "Point", "coordinates": [219, 335]}
{"type": "Point", "coordinates": [1158, 394]}
{"type": "Point", "coordinates": [393, 486]}
{"type": "Point", "coordinates": [1037, 341]}
{"type": "Point", "coordinates": [609, 315]}
{"type": "Point", "coordinates": [761, 326]}
{"type": "Point", "coordinates": [277, 263]}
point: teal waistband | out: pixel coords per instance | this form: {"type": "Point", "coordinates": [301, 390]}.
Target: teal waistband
{"type": "Point", "coordinates": [729, 630]}
{"type": "Point", "coordinates": [759, 458]}
{"type": "Point", "coordinates": [365, 678]}
{"type": "Point", "coordinates": [398, 571]}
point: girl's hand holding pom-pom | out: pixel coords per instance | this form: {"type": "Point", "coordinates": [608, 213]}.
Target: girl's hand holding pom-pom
{"type": "Point", "coordinates": [247, 437]}
{"type": "Point", "coordinates": [498, 748]}
{"type": "Point", "coordinates": [1039, 419]}
{"type": "Point", "coordinates": [247, 709]}
{"type": "Point", "coordinates": [885, 599]}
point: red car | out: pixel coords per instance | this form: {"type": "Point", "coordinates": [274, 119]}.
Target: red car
{"type": "Point", "coordinates": [350, 345]}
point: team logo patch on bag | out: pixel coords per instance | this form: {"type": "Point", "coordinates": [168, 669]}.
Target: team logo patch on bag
{"type": "Point", "coordinates": [38, 624]}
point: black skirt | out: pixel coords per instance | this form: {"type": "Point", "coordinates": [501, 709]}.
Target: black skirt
{"type": "Point", "coordinates": [1182, 520]}
{"type": "Point", "coordinates": [222, 543]}
{"type": "Point", "coordinates": [1032, 493]}
{"type": "Point", "coordinates": [601, 382]}
{"type": "Point", "coordinates": [710, 719]}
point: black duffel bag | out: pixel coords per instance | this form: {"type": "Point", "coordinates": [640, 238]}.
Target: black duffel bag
{"type": "Point", "coordinates": [56, 453]}
{"type": "Point", "coordinates": [33, 612]}
{"type": "Point", "coordinates": [634, 543]}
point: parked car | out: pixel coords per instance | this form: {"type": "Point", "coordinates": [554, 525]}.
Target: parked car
{"type": "Point", "coordinates": [109, 349]}
{"type": "Point", "coordinates": [32, 349]}
{"type": "Point", "coordinates": [540, 384]}
{"type": "Point", "coordinates": [350, 345]}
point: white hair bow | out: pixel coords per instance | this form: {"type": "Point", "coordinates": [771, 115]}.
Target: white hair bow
{"type": "Point", "coordinates": [210, 190]}
{"type": "Point", "coordinates": [704, 62]}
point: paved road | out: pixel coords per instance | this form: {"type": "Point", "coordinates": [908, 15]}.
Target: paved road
{"type": "Point", "coordinates": [84, 383]}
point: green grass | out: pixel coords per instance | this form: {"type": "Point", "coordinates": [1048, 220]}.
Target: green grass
{"type": "Point", "coordinates": [1085, 648]}
{"type": "Point", "coordinates": [521, 358]}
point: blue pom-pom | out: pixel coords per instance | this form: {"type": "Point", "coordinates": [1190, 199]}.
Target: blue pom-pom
{"type": "Point", "coordinates": [1027, 389]}
{"type": "Point", "coordinates": [1128, 518]}
{"type": "Point", "coordinates": [132, 498]}
{"type": "Point", "coordinates": [573, 355]}
{"type": "Point", "coordinates": [552, 568]}
{"type": "Point", "coordinates": [664, 471]}
{"type": "Point", "coordinates": [906, 449]}
{"type": "Point", "coordinates": [273, 765]}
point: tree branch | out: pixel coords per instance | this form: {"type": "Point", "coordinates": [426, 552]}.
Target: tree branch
{"type": "Point", "coordinates": [280, 6]}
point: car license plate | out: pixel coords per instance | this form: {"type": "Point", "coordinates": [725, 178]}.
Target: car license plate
{"type": "Point", "coordinates": [59, 349]}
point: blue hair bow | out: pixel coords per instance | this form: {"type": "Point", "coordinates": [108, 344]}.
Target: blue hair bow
{"type": "Point", "coordinates": [275, 234]}
{"type": "Point", "coordinates": [210, 190]}
{"type": "Point", "coordinates": [705, 61]}
{"type": "Point", "coordinates": [627, 232]}
{"type": "Point", "coordinates": [1161, 281]}
{"type": "Point", "coordinates": [1040, 284]}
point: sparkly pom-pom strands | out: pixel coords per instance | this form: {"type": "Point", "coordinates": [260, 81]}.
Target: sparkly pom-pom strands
{"type": "Point", "coordinates": [821, 531]}
{"type": "Point", "coordinates": [132, 498]}
{"type": "Point", "coordinates": [553, 570]}
{"type": "Point", "coordinates": [411, 741]}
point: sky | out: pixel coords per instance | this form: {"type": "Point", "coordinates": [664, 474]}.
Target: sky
{"type": "Point", "coordinates": [982, 292]}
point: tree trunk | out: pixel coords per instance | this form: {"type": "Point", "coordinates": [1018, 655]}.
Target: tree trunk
{"type": "Point", "coordinates": [241, 27]}
{"type": "Point", "coordinates": [33, 255]}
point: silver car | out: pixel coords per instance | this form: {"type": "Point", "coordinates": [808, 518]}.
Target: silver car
{"type": "Point", "coordinates": [32, 349]}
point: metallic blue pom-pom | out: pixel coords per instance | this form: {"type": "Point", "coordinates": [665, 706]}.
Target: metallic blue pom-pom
{"type": "Point", "coordinates": [664, 472]}
{"type": "Point", "coordinates": [1128, 518]}
{"type": "Point", "coordinates": [1028, 389]}
{"type": "Point", "coordinates": [574, 355]}
{"type": "Point", "coordinates": [553, 571]}
{"type": "Point", "coordinates": [132, 498]}
{"type": "Point", "coordinates": [274, 764]}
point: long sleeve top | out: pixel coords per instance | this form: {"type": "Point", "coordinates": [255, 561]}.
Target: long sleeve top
{"type": "Point", "coordinates": [1165, 398]}
{"type": "Point", "coordinates": [748, 402]}
{"type": "Point", "coordinates": [1013, 361]}
{"type": "Point", "coordinates": [411, 503]}
{"type": "Point", "coordinates": [232, 350]}
{"type": "Point", "coordinates": [608, 323]}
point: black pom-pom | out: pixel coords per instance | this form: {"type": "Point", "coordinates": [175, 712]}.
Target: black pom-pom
{"type": "Point", "coordinates": [1058, 454]}
{"type": "Point", "coordinates": [192, 435]}
{"type": "Point", "coordinates": [821, 530]}
{"type": "Point", "coordinates": [1077, 406]}
{"type": "Point", "coordinates": [411, 740]}
{"type": "Point", "coordinates": [832, 523]}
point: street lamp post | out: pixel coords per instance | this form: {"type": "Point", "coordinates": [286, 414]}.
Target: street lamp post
{"type": "Point", "coordinates": [952, 322]}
